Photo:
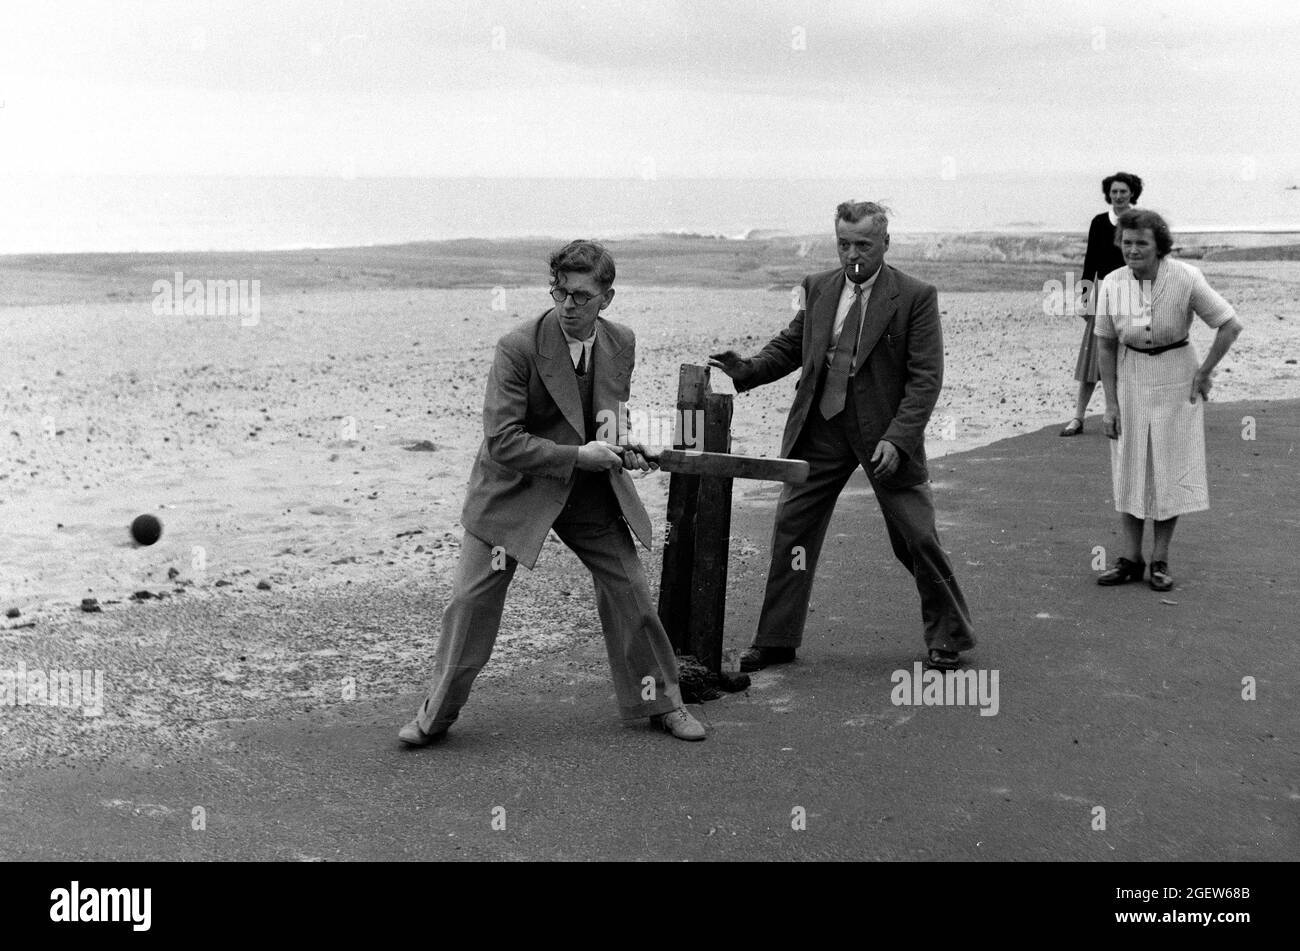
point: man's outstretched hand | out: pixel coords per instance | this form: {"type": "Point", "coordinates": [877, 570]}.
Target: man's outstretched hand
{"type": "Point", "coordinates": [637, 456]}
{"type": "Point", "coordinates": [597, 456]}
{"type": "Point", "coordinates": [730, 363]}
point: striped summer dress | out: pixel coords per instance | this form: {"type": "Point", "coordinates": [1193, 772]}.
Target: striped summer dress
{"type": "Point", "coordinates": [1158, 463]}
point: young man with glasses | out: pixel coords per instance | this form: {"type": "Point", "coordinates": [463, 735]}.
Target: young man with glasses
{"type": "Point", "coordinates": [541, 467]}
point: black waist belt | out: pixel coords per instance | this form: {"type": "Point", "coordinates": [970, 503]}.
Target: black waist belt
{"type": "Point", "coordinates": [1154, 350]}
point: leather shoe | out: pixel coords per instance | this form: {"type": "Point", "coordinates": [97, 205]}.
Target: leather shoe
{"type": "Point", "coordinates": [680, 724]}
{"type": "Point", "coordinates": [1124, 570]}
{"type": "Point", "coordinates": [412, 735]}
{"type": "Point", "coordinates": [1161, 579]}
{"type": "Point", "coordinates": [942, 660]}
{"type": "Point", "coordinates": [756, 658]}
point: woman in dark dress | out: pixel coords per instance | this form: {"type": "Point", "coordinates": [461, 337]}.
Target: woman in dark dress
{"type": "Point", "coordinates": [1121, 191]}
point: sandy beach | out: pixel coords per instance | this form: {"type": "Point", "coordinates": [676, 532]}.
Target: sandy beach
{"type": "Point", "coordinates": [321, 453]}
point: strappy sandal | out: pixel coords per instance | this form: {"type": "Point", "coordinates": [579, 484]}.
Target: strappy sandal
{"type": "Point", "coordinates": [1072, 428]}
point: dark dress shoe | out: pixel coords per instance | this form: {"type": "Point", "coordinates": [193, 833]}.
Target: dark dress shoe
{"type": "Point", "coordinates": [942, 660]}
{"type": "Point", "coordinates": [756, 658]}
{"type": "Point", "coordinates": [1161, 579]}
{"type": "Point", "coordinates": [1123, 571]}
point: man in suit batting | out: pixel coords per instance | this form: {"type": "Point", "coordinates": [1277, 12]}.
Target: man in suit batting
{"type": "Point", "coordinates": [556, 383]}
{"type": "Point", "coordinates": [869, 351]}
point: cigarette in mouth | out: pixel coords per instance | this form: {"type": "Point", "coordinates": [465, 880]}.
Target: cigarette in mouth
{"type": "Point", "coordinates": [857, 268]}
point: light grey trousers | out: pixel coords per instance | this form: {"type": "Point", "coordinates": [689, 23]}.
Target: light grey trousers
{"type": "Point", "coordinates": [635, 640]}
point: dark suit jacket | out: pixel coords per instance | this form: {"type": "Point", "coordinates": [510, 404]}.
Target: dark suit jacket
{"type": "Point", "coordinates": [532, 428]}
{"type": "Point", "coordinates": [899, 364]}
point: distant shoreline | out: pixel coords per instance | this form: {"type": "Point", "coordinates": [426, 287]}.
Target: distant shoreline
{"type": "Point", "coordinates": [971, 261]}
{"type": "Point", "coordinates": [1241, 236]}
{"type": "Point", "coordinates": [171, 214]}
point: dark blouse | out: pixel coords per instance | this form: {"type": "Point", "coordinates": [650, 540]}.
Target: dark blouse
{"type": "Point", "coordinates": [1102, 256]}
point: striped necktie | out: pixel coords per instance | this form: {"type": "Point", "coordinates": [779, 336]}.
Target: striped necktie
{"type": "Point", "coordinates": [837, 377]}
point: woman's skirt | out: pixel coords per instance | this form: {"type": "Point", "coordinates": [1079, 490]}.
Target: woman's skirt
{"type": "Point", "coordinates": [1157, 464]}
{"type": "Point", "coordinates": [1086, 368]}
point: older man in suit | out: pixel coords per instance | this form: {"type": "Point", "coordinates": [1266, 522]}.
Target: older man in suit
{"type": "Point", "coordinates": [557, 381]}
{"type": "Point", "coordinates": [869, 349]}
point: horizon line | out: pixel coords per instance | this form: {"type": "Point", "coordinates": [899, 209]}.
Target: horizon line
{"type": "Point", "coordinates": [640, 236]}
{"type": "Point", "coordinates": [382, 176]}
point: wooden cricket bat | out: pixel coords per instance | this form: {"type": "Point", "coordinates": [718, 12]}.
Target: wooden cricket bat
{"type": "Point", "coordinates": [729, 466]}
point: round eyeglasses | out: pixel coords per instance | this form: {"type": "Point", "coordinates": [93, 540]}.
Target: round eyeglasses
{"type": "Point", "coordinates": [559, 294]}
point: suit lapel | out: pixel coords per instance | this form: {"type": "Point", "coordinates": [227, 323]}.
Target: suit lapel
{"type": "Point", "coordinates": [556, 368]}
{"type": "Point", "coordinates": [881, 307]}
{"type": "Point", "coordinates": [610, 362]}
{"type": "Point", "coordinates": [823, 318]}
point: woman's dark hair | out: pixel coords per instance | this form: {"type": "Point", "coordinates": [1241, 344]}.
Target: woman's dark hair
{"type": "Point", "coordinates": [1139, 219]}
{"type": "Point", "coordinates": [1132, 181]}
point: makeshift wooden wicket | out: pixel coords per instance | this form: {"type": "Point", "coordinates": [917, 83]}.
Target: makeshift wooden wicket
{"type": "Point", "coordinates": [693, 586]}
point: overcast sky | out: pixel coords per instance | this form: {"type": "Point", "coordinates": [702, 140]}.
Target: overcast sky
{"type": "Point", "coordinates": [729, 88]}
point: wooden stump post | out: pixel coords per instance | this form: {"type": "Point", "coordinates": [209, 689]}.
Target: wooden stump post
{"type": "Point", "coordinates": [712, 539]}
{"type": "Point", "coordinates": [693, 586]}
{"type": "Point", "coordinates": [679, 537]}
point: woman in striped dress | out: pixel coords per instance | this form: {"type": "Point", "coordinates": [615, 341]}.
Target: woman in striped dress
{"type": "Point", "coordinates": [1155, 389]}
{"type": "Point", "coordinates": [1102, 256]}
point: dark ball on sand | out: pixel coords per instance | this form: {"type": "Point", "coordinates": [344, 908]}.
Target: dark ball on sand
{"type": "Point", "coordinates": [146, 529]}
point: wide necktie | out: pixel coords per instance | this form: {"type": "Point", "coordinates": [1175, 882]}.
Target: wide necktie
{"type": "Point", "coordinates": [837, 377]}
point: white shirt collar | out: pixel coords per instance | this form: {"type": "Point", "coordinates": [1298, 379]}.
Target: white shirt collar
{"type": "Point", "coordinates": [576, 347]}
{"type": "Point", "coordinates": [574, 340]}
{"type": "Point", "coordinates": [866, 285]}
{"type": "Point", "coordinates": [1114, 218]}
{"type": "Point", "coordinates": [846, 302]}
